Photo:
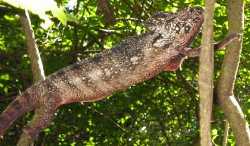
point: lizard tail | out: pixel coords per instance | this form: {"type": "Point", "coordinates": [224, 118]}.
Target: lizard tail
{"type": "Point", "coordinates": [15, 109]}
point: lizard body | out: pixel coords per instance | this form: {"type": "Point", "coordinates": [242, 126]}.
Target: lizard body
{"type": "Point", "coordinates": [134, 60]}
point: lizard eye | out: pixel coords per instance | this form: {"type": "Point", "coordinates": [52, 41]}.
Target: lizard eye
{"type": "Point", "coordinates": [187, 28]}
{"type": "Point", "coordinates": [197, 19]}
{"type": "Point", "coordinates": [177, 28]}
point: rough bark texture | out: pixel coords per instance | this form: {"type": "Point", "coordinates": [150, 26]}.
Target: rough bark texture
{"type": "Point", "coordinates": [132, 61]}
{"type": "Point", "coordinates": [227, 78]}
{"type": "Point", "coordinates": [206, 69]}
{"type": "Point", "coordinates": [36, 64]}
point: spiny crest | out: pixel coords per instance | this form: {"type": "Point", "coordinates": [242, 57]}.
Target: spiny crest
{"type": "Point", "coordinates": [159, 19]}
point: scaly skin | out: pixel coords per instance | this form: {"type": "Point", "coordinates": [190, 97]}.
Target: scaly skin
{"type": "Point", "coordinates": [132, 61]}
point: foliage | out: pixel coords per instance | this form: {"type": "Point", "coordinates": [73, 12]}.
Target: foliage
{"type": "Point", "coordinates": [162, 111]}
{"type": "Point", "coordinates": [41, 7]}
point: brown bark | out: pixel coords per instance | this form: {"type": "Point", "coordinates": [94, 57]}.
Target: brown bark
{"type": "Point", "coordinates": [226, 131]}
{"type": "Point", "coordinates": [206, 70]}
{"type": "Point", "coordinates": [195, 52]}
{"type": "Point", "coordinates": [33, 52]}
{"type": "Point", "coordinates": [227, 78]}
{"type": "Point", "coordinates": [104, 7]}
{"type": "Point", "coordinates": [36, 64]}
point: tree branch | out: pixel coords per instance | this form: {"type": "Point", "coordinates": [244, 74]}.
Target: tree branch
{"type": "Point", "coordinates": [206, 69]}
{"type": "Point", "coordinates": [225, 136]}
{"type": "Point", "coordinates": [104, 7]}
{"type": "Point", "coordinates": [195, 52]}
{"type": "Point", "coordinates": [36, 65]}
{"type": "Point", "coordinates": [33, 52]}
{"type": "Point", "coordinates": [227, 78]}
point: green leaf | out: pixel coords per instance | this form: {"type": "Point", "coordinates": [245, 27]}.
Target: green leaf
{"type": "Point", "coordinates": [60, 14]}
{"type": "Point", "coordinates": [40, 7]}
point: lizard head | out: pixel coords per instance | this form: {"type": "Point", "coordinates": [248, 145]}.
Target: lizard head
{"type": "Point", "coordinates": [177, 29]}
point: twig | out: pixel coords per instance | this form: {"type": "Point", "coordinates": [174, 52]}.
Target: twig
{"type": "Point", "coordinates": [227, 40]}
{"type": "Point", "coordinates": [107, 117]}
{"type": "Point", "coordinates": [130, 19]}
{"type": "Point", "coordinates": [226, 130]}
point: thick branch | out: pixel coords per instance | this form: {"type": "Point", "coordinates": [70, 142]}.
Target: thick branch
{"type": "Point", "coordinates": [227, 78]}
{"type": "Point", "coordinates": [206, 69]}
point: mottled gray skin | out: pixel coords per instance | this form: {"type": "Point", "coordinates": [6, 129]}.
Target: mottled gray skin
{"type": "Point", "coordinates": [132, 61]}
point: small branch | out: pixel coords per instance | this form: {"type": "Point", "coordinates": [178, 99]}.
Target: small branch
{"type": "Point", "coordinates": [109, 31]}
{"type": "Point", "coordinates": [36, 66]}
{"type": "Point", "coordinates": [195, 52]}
{"type": "Point", "coordinates": [226, 130]}
{"type": "Point", "coordinates": [33, 52]}
{"type": "Point", "coordinates": [130, 19]}
{"type": "Point", "coordinates": [104, 7]}
{"type": "Point", "coordinates": [226, 41]}
{"type": "Point", "coordinates": [189, 87]}
{"type": "Point", "coordinates": [107, 117]}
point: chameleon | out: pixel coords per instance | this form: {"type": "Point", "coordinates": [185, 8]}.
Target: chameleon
{"type": "Point", "coordinates": [163, 47]}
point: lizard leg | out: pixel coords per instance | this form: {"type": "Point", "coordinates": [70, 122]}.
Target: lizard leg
{"type": "Point", "coordinates": [195, 52]}
{"type": "Point", "coordinates": [175, 63]}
